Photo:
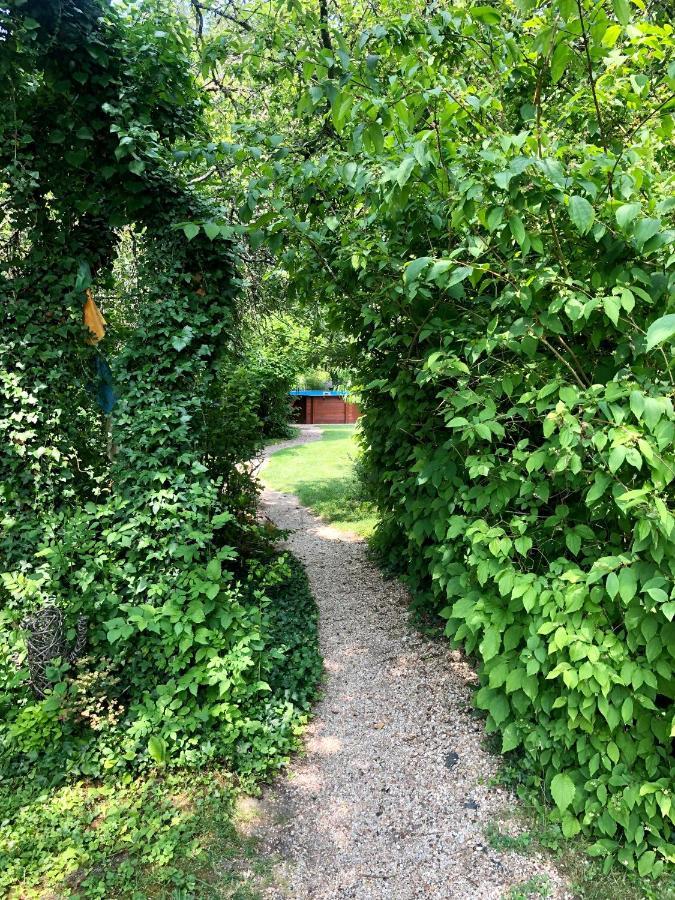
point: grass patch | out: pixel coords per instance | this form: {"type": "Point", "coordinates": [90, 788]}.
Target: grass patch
{"type": "Point", "coordinates": [321, 475]}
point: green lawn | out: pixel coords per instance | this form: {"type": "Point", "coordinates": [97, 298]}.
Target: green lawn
{"type": "Point", "coordinates": [321, 475]}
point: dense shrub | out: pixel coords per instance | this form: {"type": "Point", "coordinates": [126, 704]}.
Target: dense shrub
{"type": "Point", "coordinates": [140, 519]}
{"type": "Point", "coordinates": [488, 214]}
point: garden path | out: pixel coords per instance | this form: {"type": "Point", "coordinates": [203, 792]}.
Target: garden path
{"type": "Point", "coordinates": [393, 795]}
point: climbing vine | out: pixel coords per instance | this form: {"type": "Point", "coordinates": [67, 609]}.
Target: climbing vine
{"type": "Point", "coordinates": [123, 501]}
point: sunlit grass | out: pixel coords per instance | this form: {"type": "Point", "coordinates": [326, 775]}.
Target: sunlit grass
{"type": "Point", "coordinates": [321, 475]}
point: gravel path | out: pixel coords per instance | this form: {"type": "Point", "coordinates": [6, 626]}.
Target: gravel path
{"type": "Point", "coordinates": [393, 795]}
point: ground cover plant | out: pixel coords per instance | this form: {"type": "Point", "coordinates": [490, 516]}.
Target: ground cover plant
{"type": "Point", "coordinates": [481, 198]}
{"type": "Point", "coordinates": [324, 477]}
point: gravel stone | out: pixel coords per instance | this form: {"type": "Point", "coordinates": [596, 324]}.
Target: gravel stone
{"type": "Point", "coordinates": [371, 810]}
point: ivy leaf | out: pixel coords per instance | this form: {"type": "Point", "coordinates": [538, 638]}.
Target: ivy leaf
{"type": "Point", "coordinates": [137, 166]}
{"type": "Point", "coordinates": [83, 280]}
{"type": "Point", "coordinates": [562, 790]}
{"type": "Point", "coordinates": [581, 213]}
{"type": "Point", "coordinates": [191, 230]}
{"type": "Point", "coordinates": [660, 330]}
{"type": "Point", "coordinates": [181, 340]}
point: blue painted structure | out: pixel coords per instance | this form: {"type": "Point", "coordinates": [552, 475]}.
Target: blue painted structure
{"type": "Point", "coordinates": [304, 393]}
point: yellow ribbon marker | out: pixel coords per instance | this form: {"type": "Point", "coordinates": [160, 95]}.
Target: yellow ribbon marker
{"type": "Point", "coordinates": [93, 319]}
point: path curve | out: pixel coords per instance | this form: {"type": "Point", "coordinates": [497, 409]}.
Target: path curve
{"type": "Point", "coordinates": [392, 797]}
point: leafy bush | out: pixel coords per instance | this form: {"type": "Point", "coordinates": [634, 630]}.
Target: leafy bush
{"type": "Point", "coordinates": [104, 837]}
{"type": "Point", "coordinates": [141, 520]}
{"type": "Point", "coordinates": [493, 227]}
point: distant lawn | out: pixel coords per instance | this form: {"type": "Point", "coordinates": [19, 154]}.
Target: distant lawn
{"type": "Point", "coordinates": [321, 475]}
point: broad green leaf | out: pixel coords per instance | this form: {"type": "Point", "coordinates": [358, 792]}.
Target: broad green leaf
{"type": "Point", "coordinates": [627, 584]}
{"type": "Point", "coordinates": [214, 570]}
{"type": "Point", "coordinates": [413, 270]}
{"type": "Point", "coordinates": [459, 274]}
{"type": "Point", "coordinates": [611, 36]}
{"type": "Point", "coordinates": [561, 57]}
{"type": "Point", "coordinates": [581, 213]}
{"type": "Point", "coordinates": [191, 230]}
{"type": "Point", "coordinates": [660, 330]}
{"type": "Point", "coordinates": [598, 487]}
{"type": "Point", "coordinates": [157, 749]}
{"type": "Point", "coordinates": [490, 644]}
{"type": "Point", "coordinates": [211, 230]}
{"type": "Point", "coordinates": [510, 737]}
{"type": "Point", "coordinates": [487, 14]}
{"type": "Point", "coordinates": [562, 790]}
{"type": "Point", "coordinates": [573, 541]}
{"type": "Point", "coordinates": [646, 863]}
{"type": "Point", "coordinates": [404, 170]}
{"type": "Point", "coordinates": [626, 213]}
{"type": "Point", "coordinates": [517, 229]}
{"type": "Point", "coordinates": [645, 230]}
{"type": "Point", "coordinates": [622, 11]}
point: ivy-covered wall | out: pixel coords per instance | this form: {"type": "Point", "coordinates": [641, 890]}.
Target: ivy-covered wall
{"type": "Point", "coordinates": [137, 518]}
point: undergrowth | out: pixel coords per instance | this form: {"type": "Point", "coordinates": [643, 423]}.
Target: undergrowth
{"type": "Point", "coordinates": [167, 833]}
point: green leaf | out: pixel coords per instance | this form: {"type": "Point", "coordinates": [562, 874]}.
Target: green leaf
{"type": "Point", "coordinates": [83, 280]}
{"type": "Point", "coordinates": [622, 11]}
{"type": "Point", "coordinates": [414, 268]}
{"type": "Point", "coordinates": [157, 749]}
{"type": "Point", "coordinates": [581, 213]}
{"type": "Point", "coordinates": [561, 57]}
{"type": "Point", "coordinates": [181, 340]}
{"type": "Point", "coordinates": [627, 584]}
{"type": "Point", "coordinates": [660, 330]}
{"type": "Point", "coordinates": [191, 230]}
{"type": "Point", "coordinates": [487, 14]}
{"type": "Point", "coordinates": [616, 458]}
{"type": "Point", "coordinates": [214, 570]}
{"type": "Point", "coordinates": [646, 229]}
{"type": "Point", "coordinates": [137, 166]}
{"type": "Point", "coordinates": [211, 230]}
{"type": "Point", "coordinates": [573, 541]}
{"type": "Point", "coordinates": [517, 229]}
{"type": "Point", "coordinates": [459, 274]}
{"type": "Point", "coordinates": [646, 863]}
{"type": "Point", "coordinates": [562, 790]}
{"type": "Point", "coordinates": [490, 644]}
{"type": "Point", "coordinates": [611, 36]}
{"type": "Point", "coordinates": [626, 213]}
{"type": "Point", "coordinates": [404, 170]}
{"type": "Point", "coordinates": [510, 738]}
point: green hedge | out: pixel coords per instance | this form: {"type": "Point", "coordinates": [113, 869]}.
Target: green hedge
{"type": "Point", "coordinates": [493, 229]}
